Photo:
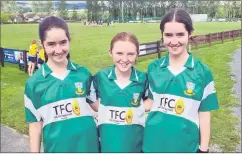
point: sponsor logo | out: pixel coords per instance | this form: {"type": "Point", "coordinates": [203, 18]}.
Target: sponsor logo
{"type": "Point", "coordinates": [63, 111]}
{"type": "Point", "coordinates": [76, 108]}
{"type": "Point", "coordinates": [121, 116]}
{"type": "Point", "coordinates": [129, 116]}
{"type": "Point", "coordinates": [179, 107]}
{"type": "Point", "coordinates": [190, 87]}
{"type": "Point", "coordinates": [171, 105]}
{"type": "Point", "coordinates": [79, 87]}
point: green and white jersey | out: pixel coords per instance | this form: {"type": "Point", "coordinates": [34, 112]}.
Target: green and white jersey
{"type": "Point", "coordinates": [62, 103]}
{"type": "Point", "coordinates": [173, 123]}
{"type": "Point", "coordinates": [121, 113]}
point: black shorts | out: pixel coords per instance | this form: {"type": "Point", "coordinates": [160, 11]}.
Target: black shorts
{"type": "Point", "coordinates": [40, 61]}
{"type": "Point", "coordinates": [32, 59]}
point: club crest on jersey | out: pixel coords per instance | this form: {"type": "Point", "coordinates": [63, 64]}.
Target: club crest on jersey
{"type": "Point", "coordinates": [79, 90]}
{"type": "Point", "coordinates": [179, 106]}
{"type": "Point", "coordinates": [129, 116]}
{"type": "Point", "coordinates": [76, 108]}
{"type": "Point", "coordinates": [135, 99]}
{"type": "Point", "coordinates": [190, 87]}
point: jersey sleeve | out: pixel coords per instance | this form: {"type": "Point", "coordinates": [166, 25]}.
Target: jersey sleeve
{"type": "Point", "coordinates": [96, 84]}
{"type": "Point", "coordinates": [149, 92]}
{"type": "Point", "coordinates": [91, 95]}
{"type": "Point", "coordinates": [31, 113]}
{"type": "Point", "coordinates": [209, 99]}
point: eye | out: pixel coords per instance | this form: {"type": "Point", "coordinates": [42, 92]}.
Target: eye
{"type": "Point", "coordinates": [63, 42]}
{"type": "Point", "coordinates": [168, 34]}
{"type": "Point", "coordinates": [51, 43]}
{"type": "Point", "coordinates": [180, 34]}
{"type": "Point", "coordinates": [131, 54]}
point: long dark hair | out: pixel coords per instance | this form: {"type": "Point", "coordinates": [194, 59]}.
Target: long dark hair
{"type": "Point", "coordinates": [179, 15]}
{"type": "Point", "coordinates": [52, 22]}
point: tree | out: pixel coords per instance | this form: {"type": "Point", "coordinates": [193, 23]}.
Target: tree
{"type": "Point", "coordinates": [35, 6]}
{"type": "Point", "coordinates": [74, 13]}
{"type": "Point", "coordinates": [62, 9]}
{"type": "Point", "coordinates": [48, 7]}
{"type": "Point", "coordinates": [82, 15]}
{"type": "Point", "coordinates": [12, 7]}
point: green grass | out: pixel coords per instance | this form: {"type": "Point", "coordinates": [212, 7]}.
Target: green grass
{"type": "Point", "coordinates": [90, 46]}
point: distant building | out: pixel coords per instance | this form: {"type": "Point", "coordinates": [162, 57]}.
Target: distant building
{"type": "Point", "coordinates": [199, 17]}
{"type": "Point", "coordinates": [33, 17]}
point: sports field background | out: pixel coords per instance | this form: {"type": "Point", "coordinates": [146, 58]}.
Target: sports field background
{"type": "Point", "coordinates": [89, 47]}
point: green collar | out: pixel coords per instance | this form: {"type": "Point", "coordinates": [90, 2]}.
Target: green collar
{"type": "Point", "coordinates": [47, 71]}
{"type": "Point", "coordinates": [133, 77]}
{"type": "Point", "coordinates": [189, 63]}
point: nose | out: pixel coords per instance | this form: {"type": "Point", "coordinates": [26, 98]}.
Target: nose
{"type": "Point", "coordinates": [58, 49]}
{"type": "Point", "coordinates": [124, 58]}
{"type": "Point", "coordinates": [174, 40]}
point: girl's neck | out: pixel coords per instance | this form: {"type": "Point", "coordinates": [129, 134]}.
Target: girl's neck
{"type": "Point", "coordinates": [123, 77]}
{"type": "Point", "coordinates": [58, 68]}
{"type": "Point", "coordinates": [178, 61]}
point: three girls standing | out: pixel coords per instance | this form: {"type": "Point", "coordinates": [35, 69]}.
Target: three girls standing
{"type": "Point", "coordinates": [181, 95]}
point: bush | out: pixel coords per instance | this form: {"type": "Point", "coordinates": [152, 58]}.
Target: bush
{"type": "Point", "coordinates": [4, 17]}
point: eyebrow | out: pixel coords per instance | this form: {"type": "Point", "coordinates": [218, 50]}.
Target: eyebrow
{"type": "Point", "coordinates": [178, 34]}
{"type": "Point", "coordinates": [65, 40]}
{"type": "Point", "coordinates": [181, 33]}
{"type": "Point", "coordinates": [50, 42]}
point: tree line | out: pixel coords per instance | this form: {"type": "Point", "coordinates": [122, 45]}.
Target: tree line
{"type": "Point", "coordinates": [125, 10]}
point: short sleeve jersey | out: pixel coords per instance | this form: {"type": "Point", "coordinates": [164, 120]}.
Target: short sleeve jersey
{"type": "Point", "coordinates": [33, 50]}
{"type": "Point", "coordinates": [121, 114]}
{"type": "Point", "coordinates": [62, 103]}
{"type": "Point", "coordinates": [173, 123]}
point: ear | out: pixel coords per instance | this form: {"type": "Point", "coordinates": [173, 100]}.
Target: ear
{"type": "Point", "coordinates": [110, 52]}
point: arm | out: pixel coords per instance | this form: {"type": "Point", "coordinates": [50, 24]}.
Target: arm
{"type": "Point", "coordinates": [148, 104]}
{"type": "Point", "coordinates": [92, 97]}
{"type": "Point", "coordinates": [204, 122]}
{"type": "Point", "coordinates": [95, 105]}
{"type": "Point", "coordinates": [35, 134]}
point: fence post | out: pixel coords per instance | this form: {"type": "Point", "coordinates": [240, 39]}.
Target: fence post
{"type": "Point", "coordinates": [158, 48]}
{"type": "Point", "coordinates": [209, 39]}
{"type": "Point", "coordinates": [233, 34]}
{"type": "Point", "coordinates": [222, 37]}
{"type": "Point", "coordinates": [25, 62]}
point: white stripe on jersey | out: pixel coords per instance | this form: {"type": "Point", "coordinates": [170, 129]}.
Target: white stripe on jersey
{"type": "Point", "coordinates": [209, 89]}
{"type": "Point", "coordinates": [169, 104]}
{"type": "Point", "coordinates": [28, 104]}
{"type": "Point", "coordinates": [64, 109]}
{"type": "Point", "coordinates": [92, 96]}
{"type": "Point", "coordinates": [121, 115]}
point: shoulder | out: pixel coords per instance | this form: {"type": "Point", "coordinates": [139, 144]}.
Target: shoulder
{"type": "Point", "coordinates": [141, 75]}
{"type": "Point", "coordinates": [81, 69]}
{"type": "Point", "coordinates": [104, 71]}
{"type": "Point", "coordinates": [155, 64]}
{"type": "Point", "coordinates": [201, 67]}
{"type": "Point", "coordinates": [35, 79]}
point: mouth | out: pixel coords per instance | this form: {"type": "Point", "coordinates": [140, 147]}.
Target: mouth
{"type": "Point", "coordinates": [60, 55]}
{"type": "Point", "coordinates": [124, 65]}
{"type": "Point", "coordinates": [174, 47]}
